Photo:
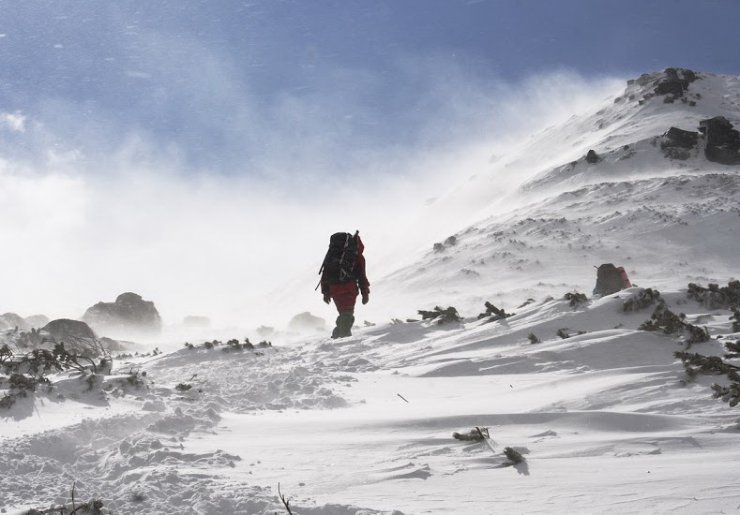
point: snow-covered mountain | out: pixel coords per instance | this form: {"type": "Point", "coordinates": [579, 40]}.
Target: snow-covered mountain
{"type": "Point", "coordinates": [627, 182]}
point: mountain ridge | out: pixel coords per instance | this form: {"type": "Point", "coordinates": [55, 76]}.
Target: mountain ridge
{"type": "Point", "coordinates": [666, 213]}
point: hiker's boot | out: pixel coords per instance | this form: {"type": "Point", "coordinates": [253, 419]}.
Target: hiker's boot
{"type": "Point", "coordinates": [344, 325]}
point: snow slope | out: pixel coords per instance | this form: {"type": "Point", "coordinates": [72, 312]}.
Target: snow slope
{"type": "Point", "coordinates": [607, 420]}
{"type": "Point", "coordinates": [604, 419]}
{"type": "Point", "coordinates": [540, 225]}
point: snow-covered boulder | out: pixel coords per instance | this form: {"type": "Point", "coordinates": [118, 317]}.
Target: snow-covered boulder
{"type": "Point", "coordinates": [129, 314]}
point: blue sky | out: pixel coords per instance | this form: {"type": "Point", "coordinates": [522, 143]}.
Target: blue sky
{"type": "Point", "coordinates": [225, 82]}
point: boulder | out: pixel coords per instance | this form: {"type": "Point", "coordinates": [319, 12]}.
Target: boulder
{"type": "Point", "coordinates": [674, 82]}
{"type": "Point", "coordinates": [675, 137]}
{"type": "Point", "coordinates": [129, 314]}
{"type": "Point", "coordinates": [676, 143]}
{"type": "Point", "coordinates": [306, 322]}
{"type": "Point", "coordinates": [722, 141]}
{"type": "Point", "coordinates": [65, 328]}
{"type": "Point", "coordinates": [37, 321]}
{"type": "Point", "coordinates": [76, 335]}
{"type": "Point", "coordinates": [11, 321]}
{"type": "Point", "coordinates": [592, 157]}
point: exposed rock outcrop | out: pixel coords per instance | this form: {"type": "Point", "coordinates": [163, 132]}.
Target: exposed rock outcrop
{"type": "Point", "coordinates": [674, 82]}
{"type": "Point", "coordinates": [670, 84]}
{"type": "Point", "coordinates": [722, 141]}
{"type": "Point", "coordinates": [676, 143]}
{"type": "Point", "coordinates": [129, 314]}
{"type": "Point", "coordinates": [76, 335]}
{"type": "Point", "coordinates": [63, 329]}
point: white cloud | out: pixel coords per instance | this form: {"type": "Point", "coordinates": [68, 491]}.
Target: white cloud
{"type": "Point", "coordinates": [15, 122]}
{"type": "Point", "coordinates": [81, 227]}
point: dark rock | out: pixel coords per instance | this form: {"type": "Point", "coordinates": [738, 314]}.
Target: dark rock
{"type": "Point", "coordinates": [676, 143]}
{"type": "Point", "coordinates": [592, 157]}
{"type": "Point", "coordinates": [64, 329]}
{"type": "Point", "coordinates": [675, 137]}
{"type": "Point", "coordinates": [675, 82]}
{"type": "Point", "coordinates": [723, 141]}
{"type": "Point", "coordinates": [76, 336]}
{"type": "Point", "coordinates": [128, 314]}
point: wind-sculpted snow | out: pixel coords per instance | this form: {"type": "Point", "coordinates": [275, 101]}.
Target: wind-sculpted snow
{"type": "Point", "coordinates": [685, 223]}
{"type": "Point", "coordinates": [605, 419]}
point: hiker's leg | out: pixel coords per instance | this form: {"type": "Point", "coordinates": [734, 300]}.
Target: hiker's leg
{"type": "Point", "coordinates": [344, 296]}
{"type": "Point", "coordinates": [344, 324]}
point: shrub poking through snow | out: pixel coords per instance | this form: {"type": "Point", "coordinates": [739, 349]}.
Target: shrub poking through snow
{"type": "Point", "coordinates": [19, 386]}
{"type": "Point", "coordinates": [696, 364]}
{"type": "Point", "coordinates": [575, 299]}
{"type": "Point", "coordinates": [730, 393]}
{"type": "Point", "coordinates": [27, 371]}
{"type": "Point", "coordinates": [733, 349]}
{"type": "Point", "coordinates": [513, 455]}
{"type": "Point", "coordinates": [477, 434]}
{"type": "Point", "coordinates": [525, 303]}
{"type": "Point", "coordinates": [666, 321]}
{"type": "Point", "coordinates": [441, 316]}
{"type": "Point", "coordinates": [493, 313]}
{"type": "Point", "coordinates": [43, 361]}
{"type": "Point", "coordinates": [533, 338]}
{"type": "Point", "coordinates": [641, 300]}
{"type": "Point", "coordinates": [92, 507]}
{"type": "Point", "coordinates": [563, 333]}
{"type": "Point", "coordinates": [735, 320]}
{"type": "Point", "coordinates": [135, 378]}
{"type": "Point", "coordinates": [5, 355]}
{"type": "Point", "coordinates": [714, 296]}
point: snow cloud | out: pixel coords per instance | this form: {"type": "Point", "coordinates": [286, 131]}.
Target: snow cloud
{"type": "Point", "coordinates": [14, 122]}
{"type": "Point", "coordinates": [224, 208]}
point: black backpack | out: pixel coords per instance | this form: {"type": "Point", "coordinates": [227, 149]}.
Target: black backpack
{"type": "Point", "coordinates": [339, 262]}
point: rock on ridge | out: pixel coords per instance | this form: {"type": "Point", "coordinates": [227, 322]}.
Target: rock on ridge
{"type": "Point", "coordinates": [128, 314]}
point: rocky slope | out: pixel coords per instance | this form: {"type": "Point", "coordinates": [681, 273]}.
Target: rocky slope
{"type": "Point", "coordinates": [649, 180]}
